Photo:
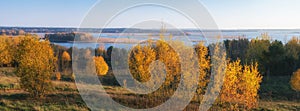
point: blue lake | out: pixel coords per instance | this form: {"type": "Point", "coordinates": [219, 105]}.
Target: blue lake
{"type": "Point", "coordinates": [283, 36]}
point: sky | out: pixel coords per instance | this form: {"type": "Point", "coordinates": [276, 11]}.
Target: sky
{"type": "Point", "coordinates": [227, 14]}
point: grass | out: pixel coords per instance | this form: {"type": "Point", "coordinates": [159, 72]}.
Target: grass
{"type": "Point", "coordinates": [278, 106]}
{"type": "Point", "coordinates": [22, 101]}
{"type": "Point", "coordinates": [275, 95]}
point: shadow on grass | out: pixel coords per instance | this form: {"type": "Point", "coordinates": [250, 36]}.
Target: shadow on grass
{"type": "Point", "coordinates": [23, 101]}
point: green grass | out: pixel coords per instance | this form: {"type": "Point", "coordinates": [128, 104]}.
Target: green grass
{"type": "Point", "coordinates": [50, 103]}
{"type": "Point", "coordinates": [275, 95]}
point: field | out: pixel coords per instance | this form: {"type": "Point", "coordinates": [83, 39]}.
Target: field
{"type": "Point", "coordinates": [275, 95]}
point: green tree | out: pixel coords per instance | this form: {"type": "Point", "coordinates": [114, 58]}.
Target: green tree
{"type": "Point", "coordinates": [255, 53]}
{"type": "Point", "coordinates": [274, 59]}
{"type": "Point", "coordinates": [36, 65]}
{"type": "Point", "coordinates": [237, 49]}
{"type": "Point", "coordinates": [292, 51]}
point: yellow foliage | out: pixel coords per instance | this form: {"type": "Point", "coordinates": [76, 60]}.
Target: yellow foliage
{"type": "Point", "coordinates": [36, 65]}
{"type": "Point", "coordinates": [65, 60]}
{"type": "Point", "coordinates": [241, 85]}
{"type": "Point", "coordinates": [101, 66]}
{"type": "Point", "coordinates": [140, 60]}
{"type": "Point", "coordinates": [167, 55]}
{"type": "Point", "coordinates": [58, 76]}
{"type": "Point", "coordinates": [175, 56]}
{"type": "Point", "coordinates": [66, 56]}
{"type": "Point", "coordinates": [7, 49]}
{"type": "Point", "coordinates": [295, 80]}
{"type": "Point", "coordinates": [204, 66]}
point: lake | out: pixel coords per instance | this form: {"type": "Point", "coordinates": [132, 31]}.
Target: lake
{"type": "Point", "coordinates": [193, 37]}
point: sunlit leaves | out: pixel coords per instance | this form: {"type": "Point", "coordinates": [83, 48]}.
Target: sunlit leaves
{"type": "Point", "coordinates": [295, 81]}
{"type": "Point", "coordinates": [7, 50]}
{"type": "Point", "coordinates": [140, 60]}
{"type": "Point", "coordinates": [35, 65]}
{"type": "Point", "coordinates": [241, 85]}
{"type": "Point", "coordinates": [101, 66]}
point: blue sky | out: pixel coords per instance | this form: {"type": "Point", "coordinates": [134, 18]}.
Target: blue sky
{"type": "Point", "coordinates": [228, 14]}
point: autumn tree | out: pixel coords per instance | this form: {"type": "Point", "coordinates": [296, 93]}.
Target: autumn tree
{"type": "Point", "coordinates": [204, 66]}
{"type": "Point", "coordinates": [6, 52]}
{"type": "Point", "coordinates": [216, 73]}
{"type": "Point", "coordinates": [65, 59]}
{"type": "Point", "coordinates": [101, 66]}
{"type": "Point", "coordinates": [8, 49]}
{"type": "Point", "coordinates": [295, 80]}
{"type": "Point", "coordinates": [140, 59]}
{"type": "Point", "coordinates": [35, 65]}
{"type": "Point", "coordinates": [241, 85]}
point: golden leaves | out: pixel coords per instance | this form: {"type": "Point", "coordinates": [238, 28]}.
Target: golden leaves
{"type": "Point", "coordinates": [241, 84]}
{"type": "Point", "coordinates": [140, 60]}
{"type": "Point", "coordinates": [101, 66]}
{"type": "Point", "coordinates": [36, 65]}
{"type": "Point", "coordinates": [295, 80]}
{"type": "Point", "coordinates": [66, 56]}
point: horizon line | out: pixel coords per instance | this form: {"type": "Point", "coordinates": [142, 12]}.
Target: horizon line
{"type": "Point", "coordinates": [184, 28]}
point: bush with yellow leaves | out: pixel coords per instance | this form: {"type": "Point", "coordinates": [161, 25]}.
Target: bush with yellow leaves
{"type": "Point", "coordinates": [65, 60]}
{"type": "Point", "coordinates": [7, 50]}
{"type": "Point", "coordinates": [101, 66]}
{"type": "Point", "coordinates": [295, 80]}
{"type": "Point", "coordinates": [241, 85]}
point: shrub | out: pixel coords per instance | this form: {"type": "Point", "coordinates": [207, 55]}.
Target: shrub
{"type": "Point", "coordinates": [241, 85]}
{"type": "Point", "coordinates": [295, 80]}
{"type": "Point", "coordinates": [101, 66]}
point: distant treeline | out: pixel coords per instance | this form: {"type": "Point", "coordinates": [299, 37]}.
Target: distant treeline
{"type": "Point", "coordinates": [12, 32]}
{"type": "Point", "coordinates": [68, 30]}
{"type": "Point", "coordinates": [68, 37]}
